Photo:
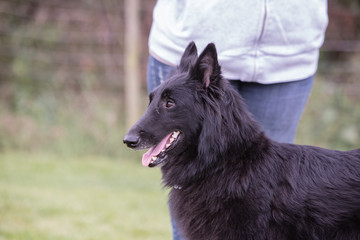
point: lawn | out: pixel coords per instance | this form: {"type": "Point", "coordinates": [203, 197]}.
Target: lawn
{"type": "Point", "coordinates": [47, 197]}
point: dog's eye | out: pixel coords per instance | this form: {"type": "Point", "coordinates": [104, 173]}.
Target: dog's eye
{"type": "Point", "coordinates": [169, 103]}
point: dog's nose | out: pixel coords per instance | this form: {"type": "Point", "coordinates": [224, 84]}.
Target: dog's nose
{"type": "Point", "coordinates": [131, 140]}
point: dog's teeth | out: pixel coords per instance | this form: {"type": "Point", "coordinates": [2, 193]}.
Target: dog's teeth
{"type": "Point", "coordinates": [153, 158]}
{"type": "Point", "coordinates": [172, 139]}
{"type": "Point", "coordinates": [175, 134]}
{"type": "Point", "coordinates": [167, 145]}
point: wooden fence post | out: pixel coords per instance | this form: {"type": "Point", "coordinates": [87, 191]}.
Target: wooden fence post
{"type": "Point", "coordinates": [132, 63]}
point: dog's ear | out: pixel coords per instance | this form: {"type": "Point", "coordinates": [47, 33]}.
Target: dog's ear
{"type": "Point", "coordinates": [207, 68]}
{"type": "Point", "coordinates": [189, 57]}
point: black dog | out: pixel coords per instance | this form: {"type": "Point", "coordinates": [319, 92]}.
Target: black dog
{"type": "Point", "coordinates": [229, 181]}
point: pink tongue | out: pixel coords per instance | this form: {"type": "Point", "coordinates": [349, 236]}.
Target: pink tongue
{"type": "Point", "coordinates": [154, 151]}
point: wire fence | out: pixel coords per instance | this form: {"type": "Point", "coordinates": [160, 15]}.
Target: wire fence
{"type": "Point", "coordinates": [67, 44]}
{"type": "Point", "coordinates": [79, 45]}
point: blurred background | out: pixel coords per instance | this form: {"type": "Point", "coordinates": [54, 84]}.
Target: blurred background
{"type": "Point", "coordinates": [67, 96]}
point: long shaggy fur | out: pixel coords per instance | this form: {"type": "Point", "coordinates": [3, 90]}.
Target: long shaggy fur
{"type": "Point", "coordinates": [231, 181]}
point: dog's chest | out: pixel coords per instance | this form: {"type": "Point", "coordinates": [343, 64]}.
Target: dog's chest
{"type": "Point", "coordinates": [200, 212]}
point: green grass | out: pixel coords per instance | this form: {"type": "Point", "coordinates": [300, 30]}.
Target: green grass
{"type": "Point", "coordinates": [46, 197]}
{"type": "Point", "coordinates": [332, 116]}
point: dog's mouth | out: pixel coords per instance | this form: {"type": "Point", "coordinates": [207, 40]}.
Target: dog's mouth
{"type": "Point", "coordinates": [158, 153]}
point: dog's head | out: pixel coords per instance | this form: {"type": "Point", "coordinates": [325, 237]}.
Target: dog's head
{"type": "Point", "coordinates": [175, 116]}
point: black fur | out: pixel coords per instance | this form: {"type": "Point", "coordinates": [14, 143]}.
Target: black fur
{"type": "Point", "coordinates": [231, 181]}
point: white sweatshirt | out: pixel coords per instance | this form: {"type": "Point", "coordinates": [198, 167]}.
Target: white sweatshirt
{"type": "Point", "coordinates": [265, 41]}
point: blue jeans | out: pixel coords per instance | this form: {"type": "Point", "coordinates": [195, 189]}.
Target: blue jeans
{"type": "Point", "coordinates": [277, 107]}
